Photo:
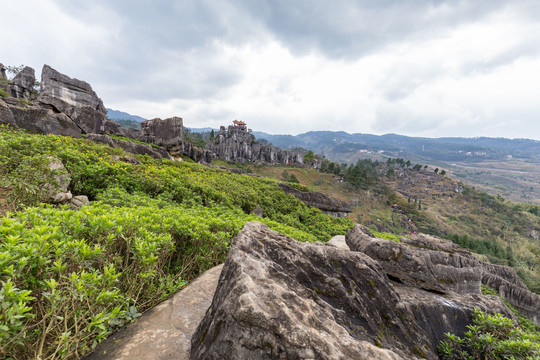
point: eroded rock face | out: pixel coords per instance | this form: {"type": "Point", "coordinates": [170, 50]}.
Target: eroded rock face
{"type": "Point", "coordinates": [6, 116]}
{"type": "Point", "coordinates": [281, 299]}
{"type": "Point", "coordinates": [40, 120]}
{"type": "Point", "coordinates": [238, 144]}
{"type": "Point", "coordinates": [129, 146]}
{"type": "Point", "coordinates": [72, 92]}
{"type": "Point", "coordinates": [22, 85]}
{"type": "Point", "coordinates": [327, 204]}
{"type": "Point", "coordinates": [73, 97]}
{"type": "Point", "coordinates": [438, 265]}
{"type": "Point", "coordinates": [167, 133]}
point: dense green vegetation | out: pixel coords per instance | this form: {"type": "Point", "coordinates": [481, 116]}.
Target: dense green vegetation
{"type": "Point", "coordinates": [491, 337]}
{"type": "Point", "coordinates": [70, 277]}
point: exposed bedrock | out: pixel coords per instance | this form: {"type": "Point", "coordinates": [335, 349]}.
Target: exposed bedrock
{"type": "Point", "coordinates": [281, 299]}
{"type": "Point", "coordinates": [441, 266]}
{"type": "Point", "coordinates": [321, 201]}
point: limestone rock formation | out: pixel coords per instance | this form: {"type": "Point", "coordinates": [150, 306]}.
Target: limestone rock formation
{"type": "Point", "coordinates": [193, 152]}
{"type": "Point", "coordinates": [76, 99]}
{"type": "Point", "coordinates": [41, 120]}
{"type": "Point", "coordinates": [3, 75]}
{"type": "Point", "coordinates": [129, 146]}
{"type": "Point", "coordinates": [236, 143]}
{"type": "Point", "coordinates": [58, 189]}
{"type": "Point", "coordinates": [72, 92]}
{"type": "Point", "coordinates": [167, 133]}
{"type": "Point", "coordinates": [440, 266]}
{"type": "Point", "coordinates": [6, 116]}
{"type": "Point", "coordinates": [281, 299]}
{"type": "Point", "coordinates": [22, 85]}
{"type": "Point", "coordinates": [327, 204]}
{"type": "Point", "coordinates": [58, 192]}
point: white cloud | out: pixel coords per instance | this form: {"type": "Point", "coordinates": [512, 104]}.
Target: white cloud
{"type": "Point", "coordinates": [416, 68]}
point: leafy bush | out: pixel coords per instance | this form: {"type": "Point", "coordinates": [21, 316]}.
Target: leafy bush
{"type": "Point", "coordinates": [69, 278]}
{"type": "Point", "coordinates": [491, 337]}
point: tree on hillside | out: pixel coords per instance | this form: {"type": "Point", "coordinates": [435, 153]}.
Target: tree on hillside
{"type": "Point", "coordinates": [309, 158]}
{"type": "Point", "coordinates": [436, 171]}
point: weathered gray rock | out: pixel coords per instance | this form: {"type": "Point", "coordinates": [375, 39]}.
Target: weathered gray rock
{"type": "Point", "coordinates": [77, 202]}
{"type": "Point", "coordinates": [3, 74]}
{"type": "Point", "coordinates": [440, 266]}
{"type": "Point", "coordinates": [281, 299]}
{"type": "Point", "coordinates": [129, 146]}
{"type": "Point", "coordinates": [258, 211]}
{"type": "Point", "coordinates": [238, 144]}
{"type": "Point", "coordinates": [58, 189]}
{"type": "Point", "coordinates": [193, 152]}
{"type": "Point", "coordinates": [127, 159]}
{"type": "Point", "coordinates": [22, 85]}
{"type": "Point", "coordinates": [6, 116]}
{"type": "Point", "coordinates": [164, 332]}
{"type": "Point", "coordinates": [325, 203]}
{"type": "Point", "coordinates": [339, 242]}
{"type": "Point", "coordinates": [40, 120]}
{"type": "Point", "coordinates": [416, 266]}
{"type": "Point", "coordinates": [166, 133]}
{"type": "Point", "coordinates": [73, 97]}
{"type": "Point", "coordinates": [72, 92]}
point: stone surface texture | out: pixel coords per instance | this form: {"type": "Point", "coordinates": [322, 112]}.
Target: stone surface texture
{"type": "Point", "coordinates": [164, 332]}
{"type": "Point", "coordinates": [325, 203]}
{"type": "Point", "coordinates": [22, 85]}
{"type": "Point", "coordinates": [238, 144]}
{"type": "Point", "coordinates": [167, 133]}
{"type": "Point", "coordinates": [281, 299]}
{"type": "Point", "coordinates": [129, 146]}
{"type": "Point", "coordinates": [438, 265]}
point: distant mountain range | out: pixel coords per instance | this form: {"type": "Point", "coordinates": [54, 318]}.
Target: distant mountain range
{"type": "Point", "coordinates": [120, 115]}
{"type": "Point", "coordinates": [342, 146]}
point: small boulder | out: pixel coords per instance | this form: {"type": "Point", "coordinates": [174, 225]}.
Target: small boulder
{"type": "Point", "coordinates": [58, 190]}
{"type": "Point", "coordinates": [77, 202]}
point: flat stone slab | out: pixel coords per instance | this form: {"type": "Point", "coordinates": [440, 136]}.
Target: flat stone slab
{"type": "Point", "coordinates": [339, 242]}
{"type": "Point", "coordinates": [165, 331]}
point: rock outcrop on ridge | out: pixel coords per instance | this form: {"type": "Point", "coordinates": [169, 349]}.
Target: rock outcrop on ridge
{"type": "Point", "coordinates": [278, 299]}
{"type": "Point", "coordinates": [236, 143]}
{"type": "Point", "coordinates": [325, 203]}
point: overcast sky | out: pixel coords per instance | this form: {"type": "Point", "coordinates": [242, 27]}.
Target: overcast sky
{"type": "Point", "coordinates": [418, 68]}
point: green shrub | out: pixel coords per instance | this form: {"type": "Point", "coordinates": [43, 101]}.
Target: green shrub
{"type": "Point", "coordinates": [491, 337]}
{"type": "Point", "coordinates": [69, 278]}
{"type": "Point", "coordinates": [386, 235]}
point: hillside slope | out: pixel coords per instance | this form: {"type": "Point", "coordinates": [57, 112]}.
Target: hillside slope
{"type": "Point", "coordinates": [70, 277]}
{"type": "Point", "coordinates": [420, 200]}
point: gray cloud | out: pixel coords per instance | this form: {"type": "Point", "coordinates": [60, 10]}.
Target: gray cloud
{"type": "Point", "coordinates": [196, 57]}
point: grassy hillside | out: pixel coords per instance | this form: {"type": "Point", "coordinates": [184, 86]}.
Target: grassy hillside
{"type": "Point", "coordinates": [69, 277]}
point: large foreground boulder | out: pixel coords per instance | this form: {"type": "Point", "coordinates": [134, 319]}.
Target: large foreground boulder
{"type": "Point", "coordinates": [281, 299]}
